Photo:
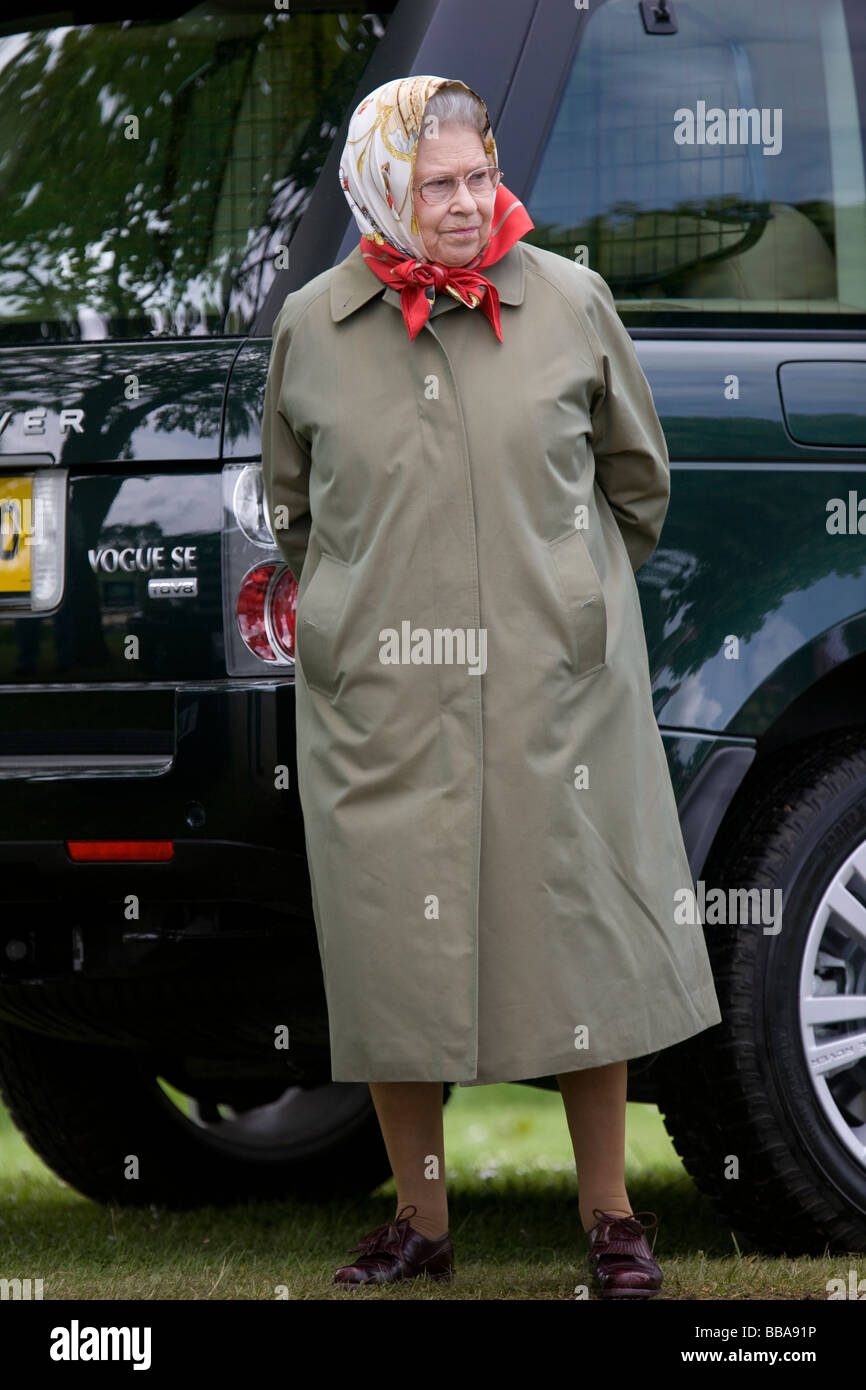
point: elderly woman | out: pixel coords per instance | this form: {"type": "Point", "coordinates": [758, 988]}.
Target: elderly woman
{"type": "Point", "coordinates": [464, 468]}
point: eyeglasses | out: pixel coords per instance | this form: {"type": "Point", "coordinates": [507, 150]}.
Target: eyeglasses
{"type": "Point", "coordinates": [481, 183]}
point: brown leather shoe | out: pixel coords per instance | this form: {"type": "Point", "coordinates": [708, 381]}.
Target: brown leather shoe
{"type": "Point", "coordinates": [396, 1251]}
{"type": "Point", "coordinates": [621, 1261]}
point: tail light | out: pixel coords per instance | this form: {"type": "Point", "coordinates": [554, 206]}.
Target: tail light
{"type": "Point", "coordinates": [119, 851]}
{"type": "Point", "coordinates": [259, 590]}
{"type": "Point", "coordinates": [266, 609]}
{"type": "Point", "coordinates": [48, 549]}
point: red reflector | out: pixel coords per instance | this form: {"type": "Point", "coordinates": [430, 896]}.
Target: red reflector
{"type": "Point", "coordinates": [250, 610]}
{"type": "Point", "coordinates": [90, 851]}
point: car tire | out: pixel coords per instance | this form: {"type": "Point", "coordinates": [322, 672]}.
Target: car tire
{"type": "Point", "coordinates": [775, 1140]}
{"type": "Point", "coordinates": [89, 1111]}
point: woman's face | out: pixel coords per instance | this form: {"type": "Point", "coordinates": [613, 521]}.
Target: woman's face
{"type": "Point", "coordinates": [453, 232]}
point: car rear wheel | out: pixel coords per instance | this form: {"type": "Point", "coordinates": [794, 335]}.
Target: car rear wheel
{"type": "Point", "coordinates": [768, 1108]}
{"type": "Point", "coordinates": [103, 1122]}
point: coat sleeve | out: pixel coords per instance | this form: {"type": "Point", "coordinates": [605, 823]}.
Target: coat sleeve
{"type": "Point", "coordinates": [285, 459]}
{"type": "Point", "coordinates": [631, 457]}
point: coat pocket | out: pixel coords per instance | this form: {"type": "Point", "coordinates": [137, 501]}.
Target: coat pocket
{"type": "Point", "coordinates": [319, 612]}
{"type": "Point", "coordinates": [586, 611]}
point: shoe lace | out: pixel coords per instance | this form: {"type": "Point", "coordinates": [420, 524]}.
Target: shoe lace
{"type": "Point", "coordinates": [388, 1238]}
{"type": "Point", "coordinates": [618, 1233]}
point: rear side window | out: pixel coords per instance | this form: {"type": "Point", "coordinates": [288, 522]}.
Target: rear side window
{"type": "Point", "coordinates": [151, 170]}
{"type": "Point", "coordinates": [718, 170]}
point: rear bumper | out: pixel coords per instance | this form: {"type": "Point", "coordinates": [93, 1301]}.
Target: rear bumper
{"type": "Point", "coordinates": [210, 1001]}
{"type": "Point", "coordinates": [210, 767]}
{"type": "Point", "coordinates": [205, 953]}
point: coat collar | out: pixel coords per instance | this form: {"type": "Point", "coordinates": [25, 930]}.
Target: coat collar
{"type": "Point", "coordinates": [353, 283]}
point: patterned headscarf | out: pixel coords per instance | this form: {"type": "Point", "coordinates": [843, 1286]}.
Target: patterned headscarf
{"type": "Point", "coordinates": [377, 170]}
{"type": "Point", "coordinates": [377, 167]}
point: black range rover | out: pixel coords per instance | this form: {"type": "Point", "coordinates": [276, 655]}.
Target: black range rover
{"type": "Point", "coordinates": [166, 179]}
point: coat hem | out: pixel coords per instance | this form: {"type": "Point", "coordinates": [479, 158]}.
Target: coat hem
{"type": "Point", "coordinates": [526, 1071]}
{"type": "Point", "coordinates": [707, 1015]}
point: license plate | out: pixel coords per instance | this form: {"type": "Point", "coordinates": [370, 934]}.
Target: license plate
{"type": "Point", "coordinates": [17, 526]}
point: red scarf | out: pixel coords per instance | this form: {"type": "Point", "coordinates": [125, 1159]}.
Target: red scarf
{"type": "Point", "coordinates": [411, 277]}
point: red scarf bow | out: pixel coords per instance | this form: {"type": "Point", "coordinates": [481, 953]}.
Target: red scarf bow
{"type": "Point", "coordinates": [412, 276]}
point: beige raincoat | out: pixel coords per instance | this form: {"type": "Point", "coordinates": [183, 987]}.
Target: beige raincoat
{"type": "Point", "coordinates": [491, 829]}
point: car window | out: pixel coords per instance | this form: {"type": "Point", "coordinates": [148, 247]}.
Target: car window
{"type": "Point", "coordinates": [150, 171]}
{"type": "Point", "coordinates": [717, 170]}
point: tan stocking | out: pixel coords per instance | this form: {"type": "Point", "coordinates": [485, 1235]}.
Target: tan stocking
{"type": "Point", "coordinates": [594, 1100]}
{"type": "Point", "coordinates": [410, 1118]}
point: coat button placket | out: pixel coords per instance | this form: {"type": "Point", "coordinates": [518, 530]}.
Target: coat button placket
{"type": "Point", "coordinates": [452, 448]}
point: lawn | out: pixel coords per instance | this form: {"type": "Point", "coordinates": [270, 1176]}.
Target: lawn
{"type": "Point", "coordinates": [513, 1216]}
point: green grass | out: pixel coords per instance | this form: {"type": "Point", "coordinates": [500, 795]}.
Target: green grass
{"type": "Point", "coordinates": [513, 1216]}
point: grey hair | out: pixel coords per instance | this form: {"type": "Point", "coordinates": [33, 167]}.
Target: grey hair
{"type": "Point", "coordinates": [453, 106]}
